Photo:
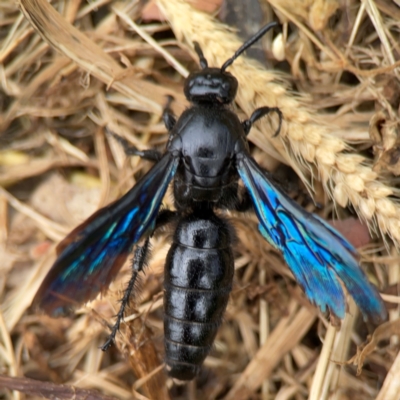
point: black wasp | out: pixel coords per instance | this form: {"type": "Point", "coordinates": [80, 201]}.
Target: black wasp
{"type": "Point", "coordinates": [206, 154]}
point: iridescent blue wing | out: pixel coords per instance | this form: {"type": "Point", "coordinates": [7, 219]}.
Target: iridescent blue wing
{"type": "Point", "coordinates": [315, 252]}
{"type": "Point", "coordinates": [92, 254]}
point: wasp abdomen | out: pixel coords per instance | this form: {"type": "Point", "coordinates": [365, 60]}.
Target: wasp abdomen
{"type": "Point", "coordinates": [198, 280]}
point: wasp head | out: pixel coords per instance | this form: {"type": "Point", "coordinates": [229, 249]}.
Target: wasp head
{"type": "Point", "coordinates": [211, 85]}
{"type": "Point", "coordinates": [216, 85]}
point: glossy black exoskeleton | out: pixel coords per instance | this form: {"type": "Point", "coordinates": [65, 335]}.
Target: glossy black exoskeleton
{"type": "Point", "coordinates": [198, 280]}
{"type": "Point", "coordinates": [206, 154]}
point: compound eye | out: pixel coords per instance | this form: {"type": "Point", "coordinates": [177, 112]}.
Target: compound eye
{"type": "Point", "coordinates": [226, 86]}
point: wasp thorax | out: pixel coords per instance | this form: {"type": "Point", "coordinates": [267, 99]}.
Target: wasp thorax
{"type": "Point", "coordinates": [211, 85]}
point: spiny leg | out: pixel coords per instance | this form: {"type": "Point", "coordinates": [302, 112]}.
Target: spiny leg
{"type": "Point", "coordinates": [168, 116]}
{"type": "Point", "coordinates": [130, 150]}
{"type": "Point", "coordinates": [139, 261]}
{"type": "Point", "coordinates": [259, 113]}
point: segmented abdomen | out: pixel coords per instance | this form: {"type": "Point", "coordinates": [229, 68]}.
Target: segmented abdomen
{"type": "Point", "coordinates": [198, 279]}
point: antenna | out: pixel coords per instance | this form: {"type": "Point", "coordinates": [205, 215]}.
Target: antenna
{"type": "Point", "coordinates": [202, 59]}
{"type": "Point", "coordinates": [247, 44]}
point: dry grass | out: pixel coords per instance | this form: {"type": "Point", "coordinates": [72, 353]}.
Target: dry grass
{"type": "Point", "coordinates": [65, 75]}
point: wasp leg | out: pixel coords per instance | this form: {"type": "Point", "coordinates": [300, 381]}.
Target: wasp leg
{"type": "Point", "coordinates": [139, 261]}
{"type": "Point", "coordinates": [164, 217]}
{"type": "Point", "coordinates": [244, 203]}
{"type": "Point", "coordinates": [236, 199]}
{"type": "Point", "coordinates": [259, 113]}
{"type": "Point", "coordinates": [130, 150]}
{"type": "Point", "coordinates": [168, 116]}
{"type": "Point", "coordinates": [140, 257]}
